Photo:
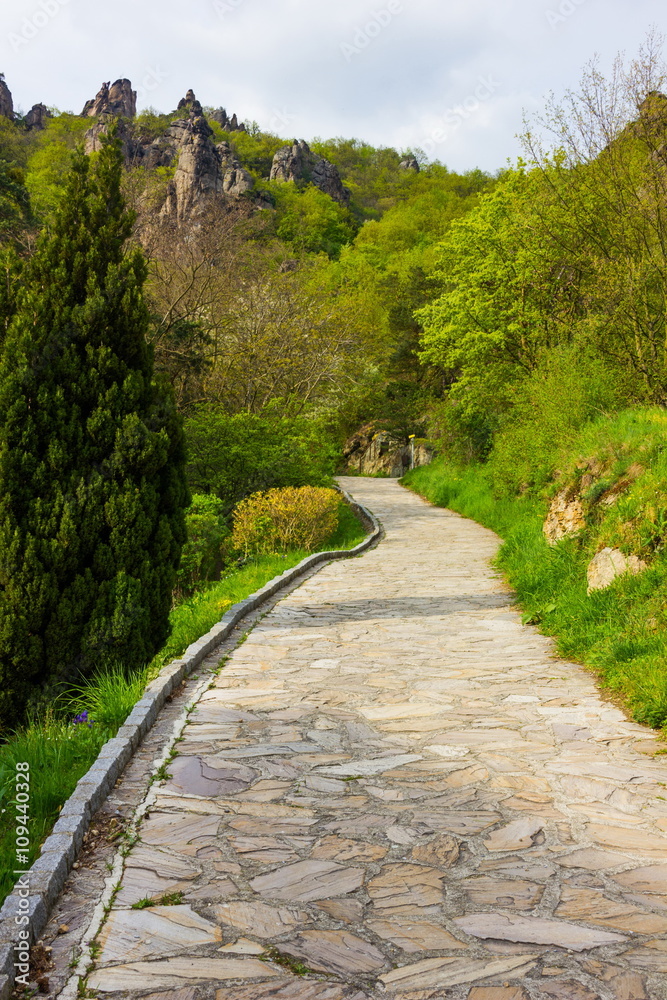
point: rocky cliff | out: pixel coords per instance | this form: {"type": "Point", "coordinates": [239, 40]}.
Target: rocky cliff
{"type": "Point", "coordinates": [199, 180]}
{"type": "Point", "coordinates": [114, 99]}
{"type": "Point", "coordinates": [229, 124]}
{"type": "Point", "coordinates": [298, 163]}
{"type": "Point", "coordinates": [6, 102]}
{"type": "Point", "coordinates": [205, 172]}
{"type": "Point", "coordinates": [37, 117]}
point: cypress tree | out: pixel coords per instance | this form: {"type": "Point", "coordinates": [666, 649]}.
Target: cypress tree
{"type": "Point", "coordinates": [92, 481]}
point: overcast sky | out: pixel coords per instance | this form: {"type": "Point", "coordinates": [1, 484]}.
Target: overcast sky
{"type": "Point", "coordinates": [450, 77]}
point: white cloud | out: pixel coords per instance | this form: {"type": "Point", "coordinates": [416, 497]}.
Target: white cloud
{"type": "Point", "coordinates": [388, 71]}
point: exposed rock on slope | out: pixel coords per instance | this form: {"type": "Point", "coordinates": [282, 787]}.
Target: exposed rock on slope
{"type": "Point", "coordinates": [114, 99]}
{"type": "Point", "coordinates": [6, 102]}
{"type": "Point", "coordinates": [298, 163]}
{"type": "Point", "coordinates": [236, 180]}
{"type": "Point", "coordinates": [566, 517]}
{"type": "Point", "coordinates": [229, 124]}
{"type": "Point", "coordinates": [205, 173]}
{"type": "Point", "coordinates": [609, 564]}
{"type": "Point", "coordinates": [371, 453]}
{"type": "Point", "coordinates": [191, 104]}
{"type": "Point", "coordinates": [198, 177]}
{"type": "Point", "coordinates": [37, 117]}
{"type": "Point", "coordinates": [132, 150]}
{"type": "Point", "coordinates": [410, 163]}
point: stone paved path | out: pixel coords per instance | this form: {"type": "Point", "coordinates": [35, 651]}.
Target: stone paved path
{"type": "Point", "coordinates": [395, 789]}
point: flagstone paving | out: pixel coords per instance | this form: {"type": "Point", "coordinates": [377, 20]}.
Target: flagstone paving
{"type": "Point", "coordinates": [394, 789]}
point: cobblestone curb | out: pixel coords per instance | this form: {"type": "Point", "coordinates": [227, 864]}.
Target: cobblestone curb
{"type": "Point", "coordinates": [47, 876]}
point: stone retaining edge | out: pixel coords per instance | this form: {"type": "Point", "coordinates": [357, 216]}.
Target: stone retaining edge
{"type": "Point", "coordinates": [48, 873]}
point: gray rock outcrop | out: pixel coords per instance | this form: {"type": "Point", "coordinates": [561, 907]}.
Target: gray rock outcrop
{"type": "Point", "coordinates": [410, 163]}
{"type": "Point", "coordinates": [6, 102]}
{"type": "Point", "coordinates": [229, 124]}
{"type": "Point", "coordinates": [609, 564]}
{"type": "Point", "coordinates": [371, 453]}
{"type": "Point", "coordinates": [298, 163]}
{"type": "Point", "coordinates": [236, 181]}
{"type": "Point", "coordinates": [37, 117]}
{"type": "Point", "coordinates": [114, 99]}
{"type": "Point", "coordinates": [191, 104]}
{"type": "Point", "coordinates": [132, 149]}
{"type": "Point", "coordinates": [198, 180]}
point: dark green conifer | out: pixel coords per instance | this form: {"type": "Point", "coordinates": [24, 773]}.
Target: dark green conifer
{"type": "Point", "coordinates": [92, 485]}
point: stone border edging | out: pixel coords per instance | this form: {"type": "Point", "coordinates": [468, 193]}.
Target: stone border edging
{"type": "Point", "coordinates": [48, 873]}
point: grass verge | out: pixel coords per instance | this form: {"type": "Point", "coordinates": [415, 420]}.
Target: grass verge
{"type": "Point", "coordinates": [620, 632]}
{"type": "Point", "coordinates": [60, 748]}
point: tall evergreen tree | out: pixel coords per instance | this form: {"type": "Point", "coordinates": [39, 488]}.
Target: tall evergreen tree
{"type": "Point", "coordinates": [92, 483]}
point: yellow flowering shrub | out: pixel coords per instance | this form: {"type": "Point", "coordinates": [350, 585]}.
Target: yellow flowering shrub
{"type": "Point", "coordinates": [282, 519]}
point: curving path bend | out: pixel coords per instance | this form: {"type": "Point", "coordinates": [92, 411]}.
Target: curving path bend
{"type": "Point", "coordinates": [394, 789]}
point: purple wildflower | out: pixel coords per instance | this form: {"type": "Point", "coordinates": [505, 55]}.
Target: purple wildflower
{"type": "Point", "coordinates": [82, 719]}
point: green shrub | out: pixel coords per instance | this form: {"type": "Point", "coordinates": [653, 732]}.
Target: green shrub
{"type": "Point", "coordinates": [567, 390]}
{"type": "Point", "coordinates": [234, 455]}
{"type": "Point", "coordinates": [284, 519]}
{"type": "Point", "coordinates": [202, 558]}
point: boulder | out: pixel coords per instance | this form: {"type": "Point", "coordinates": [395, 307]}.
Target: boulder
{"type": "Point", "coordinates": [410, 163]}
{"type": "Point", "coordinates": [191, 104]}
{"type": "Point", "coordinates": [609, 564]}
{"type": "Point", "coordinates": [37, 117]}
{"type": "Point", "coordinates": [236, 181]}
{"type": "Point", "coordinates": [6, 102]}
{"type": "Point", "coordinates": [115, 99]}
{"type": "Point", "coordinates": [371, 453]}
{"type": "Point", "coordinates": [298, 163]}
{"type": "Point", "coordinates": [565, 518]}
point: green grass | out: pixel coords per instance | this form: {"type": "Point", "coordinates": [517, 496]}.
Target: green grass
{"type": "Point", "coordinates": [60, 752]}
{"type": "Point", "coordinates": [620, 632]}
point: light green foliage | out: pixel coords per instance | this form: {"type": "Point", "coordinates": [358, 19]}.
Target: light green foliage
{"type": "Point", "coordinates": [489, 326]}
{"type": "Point", "coordinates": [255, 149]}
{"type": "Point", "coordinates": [14, 202]}
{"type": "Point", "coordinates": [568, 388]}
{"type": "Point", "coordinates": [391, 263]}
{"type": "Point", "coordinates": [151, 124]}
{"type": "Point", "coordinates": [310, 221]}
{"type": "Point", "coordinates": [50, 162]}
